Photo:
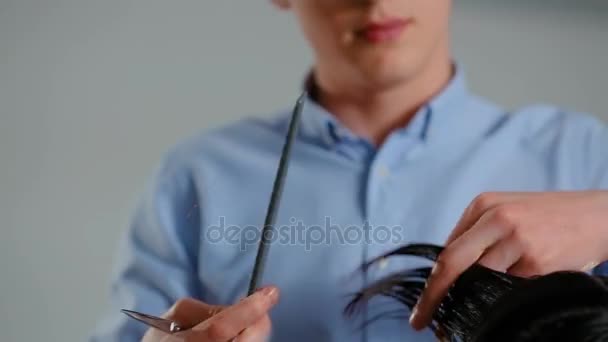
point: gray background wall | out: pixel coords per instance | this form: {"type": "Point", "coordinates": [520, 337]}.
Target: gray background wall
{"type": "Point", "coordinates": [92, 92]}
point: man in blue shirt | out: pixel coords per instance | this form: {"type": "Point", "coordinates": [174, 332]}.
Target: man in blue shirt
{"type": "Point", "coordinates": [393, 148]}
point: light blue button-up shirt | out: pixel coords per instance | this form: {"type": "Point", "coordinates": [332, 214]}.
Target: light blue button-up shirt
{"type": "Point", "coordinates": [195, 233]}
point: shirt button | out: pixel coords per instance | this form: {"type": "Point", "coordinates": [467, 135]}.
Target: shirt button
{"type": "Point", "coordinates": [383, 171]}
{"type": "Point", "coordinates": [383, 263]}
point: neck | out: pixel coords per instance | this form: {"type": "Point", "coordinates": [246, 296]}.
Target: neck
{"type": "Point", "coordinates": [374, 113]}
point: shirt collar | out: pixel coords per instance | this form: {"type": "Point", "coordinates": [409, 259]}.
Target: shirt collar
{"type": "Point", "coordinates": [443, 117]}
{"type": "Point", "coordinates": [445, 109]}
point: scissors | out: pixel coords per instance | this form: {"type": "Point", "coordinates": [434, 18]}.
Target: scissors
{"type": "Point", "coordinates": [169, 326]}
{"type": "Point", "coordinates": [162, 324]}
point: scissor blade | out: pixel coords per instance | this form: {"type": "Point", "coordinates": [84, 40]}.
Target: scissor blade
{"type": "Point", "coordinates": [153, 321]}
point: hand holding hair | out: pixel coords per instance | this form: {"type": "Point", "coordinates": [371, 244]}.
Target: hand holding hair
{"type": "Point", "coordinates": [484, 305]}
{"type": "Point", "coordinates": [522, 234]}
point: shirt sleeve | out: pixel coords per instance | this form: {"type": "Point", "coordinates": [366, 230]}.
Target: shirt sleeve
{"type": "Point", "coordinates": [156, 262]}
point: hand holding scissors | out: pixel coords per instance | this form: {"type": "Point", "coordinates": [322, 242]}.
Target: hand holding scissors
{"type": "Point", "coordinates": [192, 320]}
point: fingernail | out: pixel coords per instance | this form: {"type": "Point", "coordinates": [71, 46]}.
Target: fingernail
{"type": "Point", "coordinates": [434, 270]}
{"type": "Point", "coordinates": [414, 315]}
{"type": "Point", "coordinates": [268, 291]}
{"type": "Point", "coordinates": [590, 266]}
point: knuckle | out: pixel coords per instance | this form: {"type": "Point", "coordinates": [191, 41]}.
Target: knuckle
{"type": "Point", "coordinates": [519, 238]}
{"type": "Point", "coordinates": [219, 331]}
{"type": "Point", "coordinates": [181, 305]}
{"type": "Point", "coordinates": [214, 310]}
{"type": "Point", "coordinates": [258, 307]}
{"type": "Point", "coordinates": [444, 265]}
{"type": "Point", "coordinates": [483, 201]}
{"type": "Point", "coordinates": [506, 215]}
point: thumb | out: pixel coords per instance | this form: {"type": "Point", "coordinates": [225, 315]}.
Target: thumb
{"type": "Point", "coordinates": [189, 312]}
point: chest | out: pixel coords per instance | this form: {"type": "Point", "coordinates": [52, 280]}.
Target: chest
{"type": "Point", "coordinates": [334, 217]}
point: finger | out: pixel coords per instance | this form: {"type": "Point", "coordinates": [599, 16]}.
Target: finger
{"type": "Point", "coordinates": [480, 205]}
{"type": "Point", "coordinates": [502, 255]}
{"type": "Point", "coordinates": [156, 335]}
{"type": "Point", "coordinates": [453, 261]}
{"type": "Point", "coordinates": [231, 321]}
{"type": "Point", "coordinates": [258, 332]}
{"type": "Point", "coordinates": [524, 269]}
{"type": "Point", "coordinates": [590, 266]}
{"type": "Point", "coordinates": [189, 312]}
{"type": "Point", "coordinates": [530, 267]}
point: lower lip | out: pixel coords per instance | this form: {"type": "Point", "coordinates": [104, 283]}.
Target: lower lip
{"type": "Point", "coordinates": [385, 33]}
